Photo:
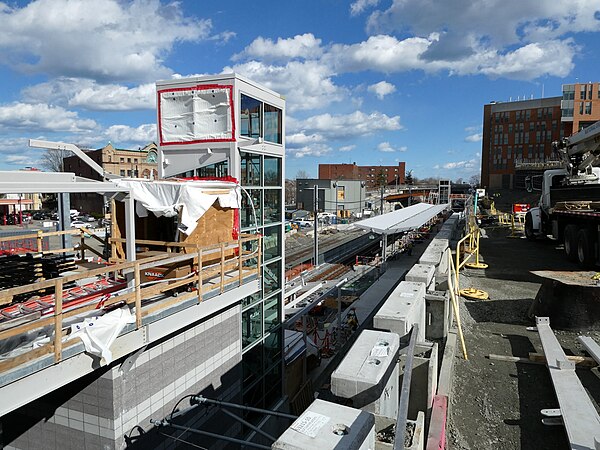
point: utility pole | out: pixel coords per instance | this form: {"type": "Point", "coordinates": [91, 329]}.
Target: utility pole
{"type": "Point", "coordinates": [316, 213]}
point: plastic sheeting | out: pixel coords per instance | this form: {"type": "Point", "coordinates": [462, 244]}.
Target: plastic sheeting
{"type": "Point", "coordinates": [98, 333]}
{"type": "Point", "coordinates": [409, 218]}
{"type": "Point", "coordinates": [201, 113]}
{"type": "Point", "coordinates": [165, 198]}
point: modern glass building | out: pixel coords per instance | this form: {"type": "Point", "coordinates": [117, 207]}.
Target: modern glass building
{"type": "Point", "coordinates": [227, 125]}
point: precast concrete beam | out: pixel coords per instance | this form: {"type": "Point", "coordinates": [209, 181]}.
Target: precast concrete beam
{"type": "Point", "coordinates": [580, 417]}
{"type": "Point", "coordinates": [368, 374]}
{"type": "Point", "coordinates": [422, 273]}
{"type": "Point", "coordinates": [404, 307]}
{"type": "Point", "coordinates": [329, 426]}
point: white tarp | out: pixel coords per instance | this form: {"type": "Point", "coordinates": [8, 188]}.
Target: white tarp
{"type": "Point", "coordinates": [165, 198]}
{"type": "Point", "coordinates": [195, 114]}
{"type": "Point", "coordinates": [409, 218]}
{"type": "Point", "coordinates": [98, 333]}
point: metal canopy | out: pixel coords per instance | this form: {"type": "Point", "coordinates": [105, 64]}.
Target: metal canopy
{"type": "Point", "coordinates": [22, 182]}
{"type": "Point", "coordinates": [400, 220]}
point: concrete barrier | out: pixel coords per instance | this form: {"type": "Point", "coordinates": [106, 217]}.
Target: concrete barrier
{"type": "Point", "coordinates": [422, 273]}
{"type": "Point", "coordinates": [424, 379]}
{"type": "Point", "coordinates": [404, 306]}
{"type": "Point", "coordinates": [384, 433]}
{"type": "Point", "coordinates": [328, 426]}
{"type": "Point", "coordinates": [368, 374]}
{"type": "Point", "coordinates": [437, 314]}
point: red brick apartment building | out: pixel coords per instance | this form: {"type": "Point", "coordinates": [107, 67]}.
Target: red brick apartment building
{"type": "Point", "coordinates": [371, 175]}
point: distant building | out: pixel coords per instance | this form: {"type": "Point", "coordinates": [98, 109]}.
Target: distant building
{"type": "Point", "coordinates": [371, 175]}
{"type": "Point", "coordinates": [342, 197]}
{"type": "Point", "coordinates": [141, 163]}
{"type": "Point", "coordinates": [517, 136]}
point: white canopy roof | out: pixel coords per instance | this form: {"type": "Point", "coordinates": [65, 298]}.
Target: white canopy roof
{"type": "Point", "coordinates": [400, 220]}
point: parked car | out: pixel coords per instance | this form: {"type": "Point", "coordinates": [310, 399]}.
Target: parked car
{"type": "Point", "coordinates": [79, 224]}
{"type": "Point", "coordinates": [303, 223]}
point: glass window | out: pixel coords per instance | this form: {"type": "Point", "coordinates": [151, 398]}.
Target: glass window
{"type": "Point", "coordinates": [252, 365]}
{"type": "Point", "coordinates": [251, 299]}
{"type": "Point", "coordinates": [251, 325]}
{"type": "Point", "coordinates": [272, 166]}
{"type": "Point", "coordinates": [122, 172]}
{"type": "Point", "coordinates": [272, 312]}
{"type": "Point", "coordinates": [273, 349]}
{"type": "Point", "coordinates": [250, 117]}
{"type": "Point", "coordinates": [588, 107]}
{"type": "Point", "coordinates": [272, 277]}
{"type": "Point", "coordinates": [272, 242]}
{"type": "Point", "coordinates": [250, 169]}
{"type": "Point", "coordinates": [273, 124]}
{"type": "Point", "coordinates": [272, 205]}
{"type": "Point", "coordinates": [249, 216]}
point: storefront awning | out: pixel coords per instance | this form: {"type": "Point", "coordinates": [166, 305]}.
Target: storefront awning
{"type": "Point", "coordinates": [406, 219]}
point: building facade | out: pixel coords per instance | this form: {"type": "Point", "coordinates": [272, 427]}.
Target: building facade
{"type": "Point", "coordinates": [580, 106]}
{"type": "Point", "coordinates": [373, 176]}
{"type": "Point", "coordinates": [141, 163]}
{"type": "Point", "coordinates": [517, 136]}
{"type": "Point", "coordinates": [342, 197]}
{"type": "Point", "coordinates": [243, 138]}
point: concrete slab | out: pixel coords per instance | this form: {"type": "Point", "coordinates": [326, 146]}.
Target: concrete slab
{"type": "Point", "coordinates": [326, 425]}
{"type": "Point", "coordinates": [423, 384]}
{"type": "Point", "coordinates": [422, 273]}
{"type": "Point", "coordinates": [437, 313]}
{"type": "Point", "coordinates": [368, 374]}
{"type": "Point", "coordinates": [404, 306]}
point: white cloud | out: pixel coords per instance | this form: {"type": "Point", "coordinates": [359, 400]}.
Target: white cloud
{"type": "Point", "coordinates": [477, 137]}
{"type": "Point", "coordinates": [347, 148]}
{"type": "Point", "coordinates": [388, 148]}
{"type": "Point", "coordinates": [361, 5]}
{"type": "Point", "coordinates": [111, 97]}
{"type": "Point", "coordinates": [298, 139]}
{"type": "Point", "coordinates": [304, 46]}
{"type": "Point", "coordinates": [142, 134]}
{"type": "Point", "coordinates": [467, 164]}
{"type": "Point", "coordinates": [25, 116]}
{"type": "Point", "coordinates": [97, 39]}
{"type": "Point", "coordinates": [343, 126]}
{"type": "Point", "coordinates": [310, 150]}
{"type": "Point", "coordinates": [305, 85]}
{"type": "Point", "coordinates": [382, 89]}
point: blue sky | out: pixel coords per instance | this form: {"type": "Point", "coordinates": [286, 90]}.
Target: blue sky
{"type": "Point", "coordinates": [370, 81]}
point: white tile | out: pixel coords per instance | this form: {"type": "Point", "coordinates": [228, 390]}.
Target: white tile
{"type": "Point", "coordinates": [145, 404]}
{"type": "Point", "coordinates": [60, 420]}
{"type": "Point", "coordinates": [106, 423]}
{"type": "Point", "coordinates": [156, 397]}
{"type": "Point", "coordinates": [167, 345]}
{"type": "Point", "coordinates": [76, 415]}
{"type": "Point", "coordinates": [90, 418]}
{"type": "Point", "coordinates": [178, 340]}
{"type": "Point", "coordinates": [61, 411]}
{"type": "Point", "coordinates": [107, 432]}
{"type": "Point", "coordinates": [89, 428]}
{"type": "Point", "coordinates": [76, 424]}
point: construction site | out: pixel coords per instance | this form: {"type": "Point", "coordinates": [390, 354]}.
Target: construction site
{"type": "Point", "coordinates": [191, 320]}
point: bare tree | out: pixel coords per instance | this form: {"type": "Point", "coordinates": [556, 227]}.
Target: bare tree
{"type": "Point", "coordinates": [53, 160]}
{"type": "Point", "coordinates": [475, 180]}
{"type": "Point", "coordinates": [302, 174]}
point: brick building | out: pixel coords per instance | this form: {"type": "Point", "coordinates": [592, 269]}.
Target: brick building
{"type": "Point", "coordinates": [517, 136]}
{"type": "Point", "coordinates": [140, 163]}
{"type": "Point", "coordinates": [371, 175]}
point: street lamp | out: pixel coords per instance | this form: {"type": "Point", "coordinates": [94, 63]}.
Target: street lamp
{"type": "Point", "coordinates": [335, 185]}
{"type": "Point", "coordinates": [362, 213]}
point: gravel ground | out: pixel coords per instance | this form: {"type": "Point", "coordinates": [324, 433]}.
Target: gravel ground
{"type": "Point", "coordinates": [496, 404]}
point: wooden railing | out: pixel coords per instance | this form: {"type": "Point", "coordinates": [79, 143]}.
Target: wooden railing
{"type": "Point", "coordinates": [233, 264]}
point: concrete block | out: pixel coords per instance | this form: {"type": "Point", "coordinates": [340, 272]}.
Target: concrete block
{"type": "Point", "coordinates": [422, 273]}
{"type": "Point", "coordinates": [437, 305]}
{"type": "Point", "coordinates": [404, 306]}
{"type": "Point", "coordinates": [326, 425]}
{"type": "Point", "coordinates": [385, 428]}
{"type": "Point", "coordinates": [423, 382]}
{"type": "Point", "coordinates": [368, 374]}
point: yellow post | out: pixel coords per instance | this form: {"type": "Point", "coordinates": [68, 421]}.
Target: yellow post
{"type": "Point", "coordinates": [455, 307]}
{"type": "Point", "coordinates": [40, 247]}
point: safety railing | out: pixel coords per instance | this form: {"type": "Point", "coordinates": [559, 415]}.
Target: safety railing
{"type": "Point", "coordinates": [213, 268]}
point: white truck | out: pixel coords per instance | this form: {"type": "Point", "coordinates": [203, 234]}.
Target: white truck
{"type": "Point", "coordinates": [569, 206]}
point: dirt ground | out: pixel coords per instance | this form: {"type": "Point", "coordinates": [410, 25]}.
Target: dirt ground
{"type": "Point", "coordinates": [496, 404]}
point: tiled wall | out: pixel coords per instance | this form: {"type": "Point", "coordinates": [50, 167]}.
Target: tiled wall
{"type": "Point", "coordinates": [99, 410]}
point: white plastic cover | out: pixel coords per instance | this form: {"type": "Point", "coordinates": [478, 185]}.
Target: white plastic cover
{"type": "Point", "coordinates": [195, 114]}
{"type": "Point", "coordinates": [409, 218]}
{"type": "Point", "coordinates": [165, 198]}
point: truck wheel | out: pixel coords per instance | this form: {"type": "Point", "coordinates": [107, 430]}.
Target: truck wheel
{"type": "Point", "coordinates": [571, 242]}
{"type": "Point", "coordinates": [529, 233]}
{"type": "Point", "coordinates": [585, 248]}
